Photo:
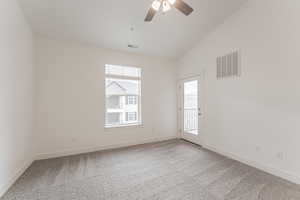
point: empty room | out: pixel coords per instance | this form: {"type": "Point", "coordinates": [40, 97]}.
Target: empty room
{"type": "Point", "coordinates": [149, 100]}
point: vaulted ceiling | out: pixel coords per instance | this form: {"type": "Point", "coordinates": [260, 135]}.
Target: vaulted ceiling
{"type": "Point", "coordinates": [108, 23]}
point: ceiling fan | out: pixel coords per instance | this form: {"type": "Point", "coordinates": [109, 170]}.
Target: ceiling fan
{"type": "Point", "coordinates": [166, 5]}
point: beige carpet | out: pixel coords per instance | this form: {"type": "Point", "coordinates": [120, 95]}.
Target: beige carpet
{"type": "Point", "coordinates": [167, 170]}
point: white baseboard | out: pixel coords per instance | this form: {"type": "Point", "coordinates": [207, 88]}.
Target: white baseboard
{"type": "Point", "coordinates": [271, 170]}
{"type": "Point", "coordinates": [99, 148]}
{"type": "Point", "coordinates": [19, 172]}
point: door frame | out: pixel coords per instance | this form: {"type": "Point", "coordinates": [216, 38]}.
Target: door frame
{"type": "Point", "coordinates": [197, 139]}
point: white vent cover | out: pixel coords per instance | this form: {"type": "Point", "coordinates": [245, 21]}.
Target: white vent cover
{"type": "Point", "coordinates": [228, 65]}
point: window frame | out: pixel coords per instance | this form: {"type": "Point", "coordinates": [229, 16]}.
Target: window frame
{"type": "Point", "coordinates": [138, 98]}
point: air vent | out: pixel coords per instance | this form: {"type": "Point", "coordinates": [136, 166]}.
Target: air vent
{"type": "Point", "coordinates": [228, 65]}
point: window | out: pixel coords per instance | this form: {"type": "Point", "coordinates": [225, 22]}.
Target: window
{"type": "Point", "coordinates": [131, 100]}
{"type": "Point", "coordinates": [131, 116]}
{"type": "Point", "coordinates": [123, 96]}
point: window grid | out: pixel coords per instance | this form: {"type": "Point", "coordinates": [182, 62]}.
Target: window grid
{"type": "Point", "coordinates": [131, 116]}
{"type": "Point", "coordinates": [131, 100]}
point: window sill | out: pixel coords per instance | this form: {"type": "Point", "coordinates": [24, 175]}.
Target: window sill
{"type": "Point", "coordinates": [124, 126]}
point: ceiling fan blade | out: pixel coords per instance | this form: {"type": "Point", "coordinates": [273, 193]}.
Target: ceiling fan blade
{"type": "Point", "coordinates": [183, 7]}
{"type": "Point", "coordinates": [150, 15]}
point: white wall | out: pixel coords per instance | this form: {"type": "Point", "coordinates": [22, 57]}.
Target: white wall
{"type": "Point", "coordinates": [71, 98]}
{"type": "Point", "coordinates": [16, 93]}
{"type": "Point", "coordinates": [256, 116]}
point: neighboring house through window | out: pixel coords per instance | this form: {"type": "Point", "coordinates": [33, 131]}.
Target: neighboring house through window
{"type": "Point", "coordinates": [131, 116]}
{"type": "Point", "coordinates": [123, 95]}
{"type": "Point", "coordinates": [131, 100]}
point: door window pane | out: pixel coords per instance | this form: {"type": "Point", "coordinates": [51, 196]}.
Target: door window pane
{"type": "Point", "coordinates": [191, 107]}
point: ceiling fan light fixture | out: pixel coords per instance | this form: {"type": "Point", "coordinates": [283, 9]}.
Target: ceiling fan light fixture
{"type": "Point", "coordinates": [156, 5]}
{"type": "Point", "coordinates": [172, 2]}
{"type": "Point", "coordinates": [166, 6]}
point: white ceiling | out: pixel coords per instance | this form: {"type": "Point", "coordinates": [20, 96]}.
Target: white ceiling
{"type": "Point", "coordinates": [107, 23]}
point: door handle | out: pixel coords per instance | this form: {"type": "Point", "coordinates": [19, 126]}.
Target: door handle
{"type": "Point", "coordinates": [199, 113]}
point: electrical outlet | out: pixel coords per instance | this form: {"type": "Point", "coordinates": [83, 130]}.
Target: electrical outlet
{"type": "Point", "coordinates": [280, 155]}
{"type": "Point", "coordinates": [257, 149]}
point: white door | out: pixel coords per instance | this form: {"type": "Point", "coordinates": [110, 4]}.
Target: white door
{"type": "Point", "coordinates": [191, 116]}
